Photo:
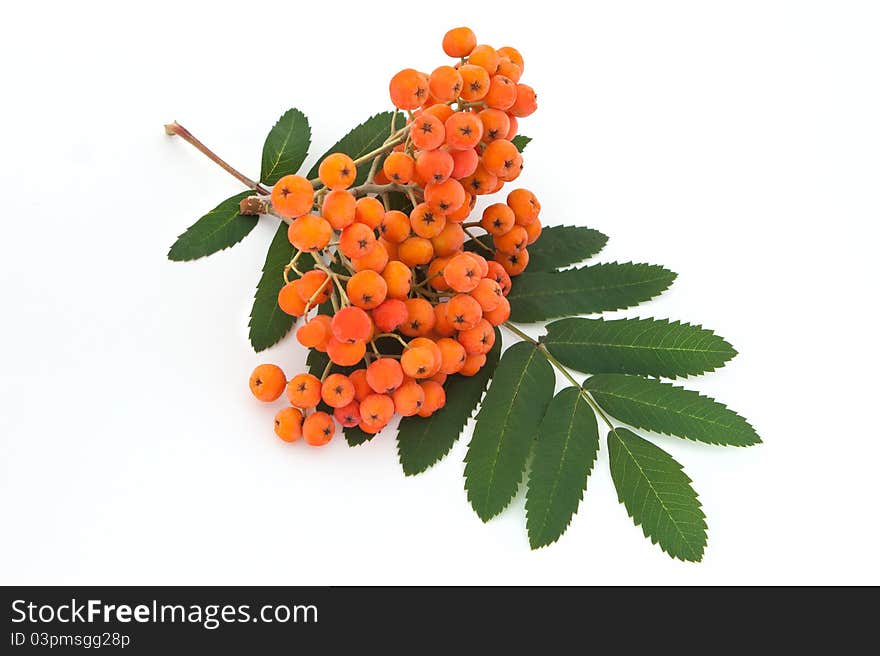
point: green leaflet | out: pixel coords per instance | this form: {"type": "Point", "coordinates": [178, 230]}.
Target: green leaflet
{"type": "Point", "coordinates": [657, 495]}
{"type": "Point", "coordinates": [365, 138]}
{"type": "Point", "coordinates": [424, 441]}
{"type": "Point", "coordinates": [664, 408]}
{"type": "Point", "coordinates": [286, 146]}
{"type": "Point", "coordinates": [652, 347]}
{"type": "Point", "coordinates": [599, 288]}
{"type": "Point", "coordinates": [521, 141]}
{"type": "Point", "coordinates": [220, 228]}
{"type": "Point", "coordinates": [558, 247]}
{"type": "Point", "coordinates": [564, 453]}
{"type": "Point", "coordinates": [506, 426]}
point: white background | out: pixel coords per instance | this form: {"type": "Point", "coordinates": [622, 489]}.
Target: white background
{"type": "Point", "coordinates": [737, 143]}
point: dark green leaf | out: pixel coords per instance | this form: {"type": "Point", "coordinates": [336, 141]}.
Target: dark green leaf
{"type": "Point", "coordinates": [651, 347]}
{"type": "Point", "coordinates": [599, 288]}
{"type": "Point", "coordinates": [363, 139]}
{"type": "Point", "coordinates": [423, 441]}
{"type": "Point", "coordinates": [657, 495]}
{"type": "Point", "coordinates": [665, 408]}
{"type": "Point", "coordinates": [355, 436]}
{"type": "Point", "coordinates": [560, 246]}
{"type": "Point", "coordinates": [564, 453]}
{"type": "Point", "coordinates": [506, 426]}
{"type": "Point", "coordinates": [521, 141]}
{"type": "Point", "coordinates": [220, 228]}
{"type": "Point", "coordinates": [286, 146]}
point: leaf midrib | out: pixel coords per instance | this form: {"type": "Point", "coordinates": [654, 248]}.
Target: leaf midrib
{"type": "Point", "coordinates": [554, 342]}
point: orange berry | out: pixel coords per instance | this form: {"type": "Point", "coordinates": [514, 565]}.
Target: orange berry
{"type": "Point", "coordinates": [464, 311]}
{"type": "Point", "coordinates": [497, 273]}
{"type": "Point", "coordinates": [366, 289]}
{"type": "Point", "coordinates": [463, 212]}
{"type": "Point", "coordinates": [351, 324]}
{"type": "Point", "coordinates": [434, 275]}
{"type": "Point", "coordinates": [486, 57]}
{"type": "Point", "coordinates": [445, 83]}
{"type": "Point", "coordinates": [496, 124]}
{"type": "Point", "coordinates": [440, 110]}
{"type": "Point", "coordinates": [474, 82]}
{"type": "Point", "coordinates": [427, 132]}
{"type": "Point", "coordinates": [348, 415]}
{"type": "Point", "coordinates": [369, 211]}
{"type": "Point", "coordinates": [425, 221]}
{"type": "Point", "coordinates": [384, 375]}
{"type": "Point", "coordinates": [357, 240]}
{"type": "Point", "coordinates": [418, 362]}
{"type": "Point", "coordinates": [415, 251]}
{"type": "Point", "coordinates": [381, 178]}
{"type": "Point", "coordinates": [435, 398]}
{"type": "Point", "coordinates": [439, 378]}
{"type": "Point", "coordinates": [390, 248]}
{"type": "Point", "coordinates": [419, 318]}
{"type": "Point", "coordinates": [398, 279]}
{"type": "Point", "coordinates": [313, 333]}
{"type": "Point", "coordinates": [525, 206]}
{"type": "Point", "coordinates": [408, 398]}
{"type": "Point", "coordinates": [290, 301]}
{"type": "Point", "coordinates": [389, 315]}
{"type": "Point", "coordinates": [399, 167]}
{"type": "Point", "coordinates": [514, 128]}
{"type": "Point", "coordinates": [304, 391]}
{"type": "Point", "coordinates": [509, 69]}
{"type": "Point", "coordinates": [513, 241]}
{"type": "Point", "coordinates": [502, 92]}
{"type": "Point", "coordinates": [372, 430]}
{"type": "Point", "coordinates": [478, 339]}
{"type": "Point", "coordinates": [472, 364]}
{"type": "Point", "coordinates": [462, 273]}
{"type": "Point", "coordinates": [309, 233]}
{"type": "Point", "coordinates": [448, 241]}
{"type": "Point", "coordinates": [431, 345]}
{"type": "Point", "coordinates": [459, 42]}
{"type": "Point", "coordinates": [442, 325]}
{"type": "Point", "coordinates": [346, 354]}
{"type": "Point", "coordinates": [513, 263]}
{"type": "Point", "coordinates": [337, 391]}
{"type": "Point", "coordinates": [502, 159]}
{"type": "Point", "coordinates": [481, 182]}
{"type": "Point", "coordinates": [533, 230]}
{"type": "Point", "coordinates": [481, 262]}
{"type": "Point", "coordinates": [434, 165]}
{"type": "Point", "coordinates": [488, 294]}
{"type": "Point", "coordinates": [288, 424]}
{"type": "Point", "coordinates": [292, 196]}
{"type": "Point", "coordinates": [498, 219]}
{"type": "Point", "coordinates": [318, 429]}
{"type": "Point", "coordinates": [513, 55]}
{"type": "Point", "coordinates": [337, 171]}
{"type": "Point", "coordinates": [376, 260]}
{"type": "Point", "coordinates": [314, 286]}
{"type": "Point", "coordinates": [395, 226]}
{"type": "Point", "coordinates": [339, 209]}
{"type": "Point", "coordinates": [526, 101]}
{"type": "Point", "coordinates": [408, 89]}
{"type": "Point", "coordinates": [464, 163]}
{"type": "Point", "coordinates": [376, 410]}
{"type": "Point", "coordinates": [267, 382]}
{"type": "Point", "coordinates": [445, 197]}
{"type": "Point", "coordinates": [463, 130]}
{"type": "Point", "coordinates": [500, 314]}
{"type": "Point", "coordinates": [362, 388]}
{"type": "Point", "coordinates": [452, 355]}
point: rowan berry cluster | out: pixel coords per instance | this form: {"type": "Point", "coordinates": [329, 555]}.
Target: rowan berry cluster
{"type": "Point", "coordinates": [406, 276]}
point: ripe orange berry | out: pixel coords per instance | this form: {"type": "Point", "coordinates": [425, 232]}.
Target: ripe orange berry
{"type": "Point", "coordinates": [427, 132]}
{"type": "Point", "coordinates": [431, 345]}
{"type": "Point", "coordinates": [502, 92]}
{"type": "Point", "coordinates": [486, 57]}
{"type": "Point", "coordinates": [304, 391]}
{"type": "Point", "coordinates": [462, 273]}
{"type": "Point", "coordinates": [415, 251]}
{"type": "Point", "coordinates": [425, 221]}
{"type": "Point", "coordinates": [509, 69]}
{"type": "Point", "coordinates": [533, 230]}
{"type": "Point", "coordinates": [309, 233]}
{"type": "Point", "coordinates": [419, 318]}
{"type": "Point", "coordinates": [290, 301]}
{"type": "Point", "coordinates": [348, 415]}
{"type": "Point", "coordinates": [500, 314]}
{"type": "Point", "coordinates": [459, 42]}
{"type": "Point", "coordinates": [464, 311]}
{"type": "Point", "coordinates": [314, 333]}
{"type": "Point", "coordinates": [473, 364]}
{"type": "Point", "coordinates": [389, 315]}
{"type": "Point", "coordinates": [267, 382]}
{"type": "Point", "coordinates": [488, 294]}
{"type": "Point", "coordinates": [513, 55]}
{"type": "Point", "coordinates": [408, 398]}
{"type": "Point", "coordinates": [337, 171]}
{"type": "Point", "coordinates": [339, 208]}
{"type": "Point", "coordinates": [478, 339]}
{"type": "Point", "coordinates": [463, 212]}
{"type": "Point", "coordinates": [475, 82]}
{"type": "Point", "coordinates": [439, 378]}
{"type": "Point", "coordinates": [292, 196]}
{"type": "Point", "coordinates": [481, 262]}
{"type": "Point", "coordinates": [445, 83]}
{"type": "Point", "coordinates": [346, 354]}
{"type": "Point", "coordinates": [351, 324]}
{"type": "Point", "coordinates": [434, 165]}
{"type": "Point", "coordinates": [418, 362]}
{"type": "Point", "coordinates": [448, 241]}
{"type": "Point", "coordinates": [357, 240]}
{"type": "Point", "coordinates": [525, 206]}
{"type": "Point", "coordinates": [513, 241]}
{"type": "Point", "coordinates": [375, 260]}
{"type": "Point", "coordinates": [464, 162]}
{"type": "Point", "coordinates": [288, 424]}
{"type": "Point", "coordinates": [408, 89]}
{"type": "Point", "coordinates": [376, 410]}
{"type": "Point", "coordinates": [502, 159]}
{"type": "Point", "coordinates": [440, 110]}
{"type": "Point", "coordinates": [398, 279]}
{"type": "Point", "coordinates": [314, 286]}
{"type": "Point", "coordinates": [390, 248]}
{"type": "Point", "coordinates": [369, 211]}
{"type": "Point", "coordinates": [384, 375]}
{"type": "Point", "coordinates": [337, 391]}
{"type": "Point", "coordinates": [399, 167]}
{"type": "Point", "coordinates": [453, 355]}
{"type": "Point", "coordinates": [445, 197]}
{"type": "Point", "coordinates": [434, 274]}
{"type": "Point", "coordinates": [496, 124]}
{"type": "Point", "coordinates": [513, 263]}
{"type": "Point", "coordinates": [435, 398]}
{"type": "Point", "coordinates": [481, 182]}
{"type": "Point", "coordinates": [498, 219]}
{"type": "Point", "coordinates": [318, 429]}
{"type": "Point", "coordinates": [463, 130]}
{"type": "Point", "coordinates": [362, 389]}
{"type": "Point", "coordinates": [526, 101]}
{"type": "Point", "coordinates": [442, 325]}
{"type": "Point", "coordinates": [497, 273]}
{"type": "Point", "coordinates": [395, 226]}
{"type": "Point", "coordinates": [366, 289]}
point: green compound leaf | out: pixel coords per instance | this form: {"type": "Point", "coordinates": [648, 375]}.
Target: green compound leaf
{"type": "Point", "coordinates": [599, 288]}
{"type": "Point", "coordinates": [664, 408]}
{"type": "Point", "coordinates": [560, 246]}
{"type": "Point", "coordinates": [422, 442]}
{"type": "Point", "coordinates": [564, 453]}
{"type": "Point", "coordinates": [657, 495]}
{"type": "Point", "coordinates": [521, 141]}
{"type": "Point", "coordinates": [651, 347]}
{"type": "Point", "coordinates": [506, 427]}
{"type": "Point", "coordinates": [269, 324]}
{"type": "Point", "coordinates": [365, 138]}
{"type": "Point", "coordinates": [286, 146]}
{"type": "Point", "coordinates": [220, 228]}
